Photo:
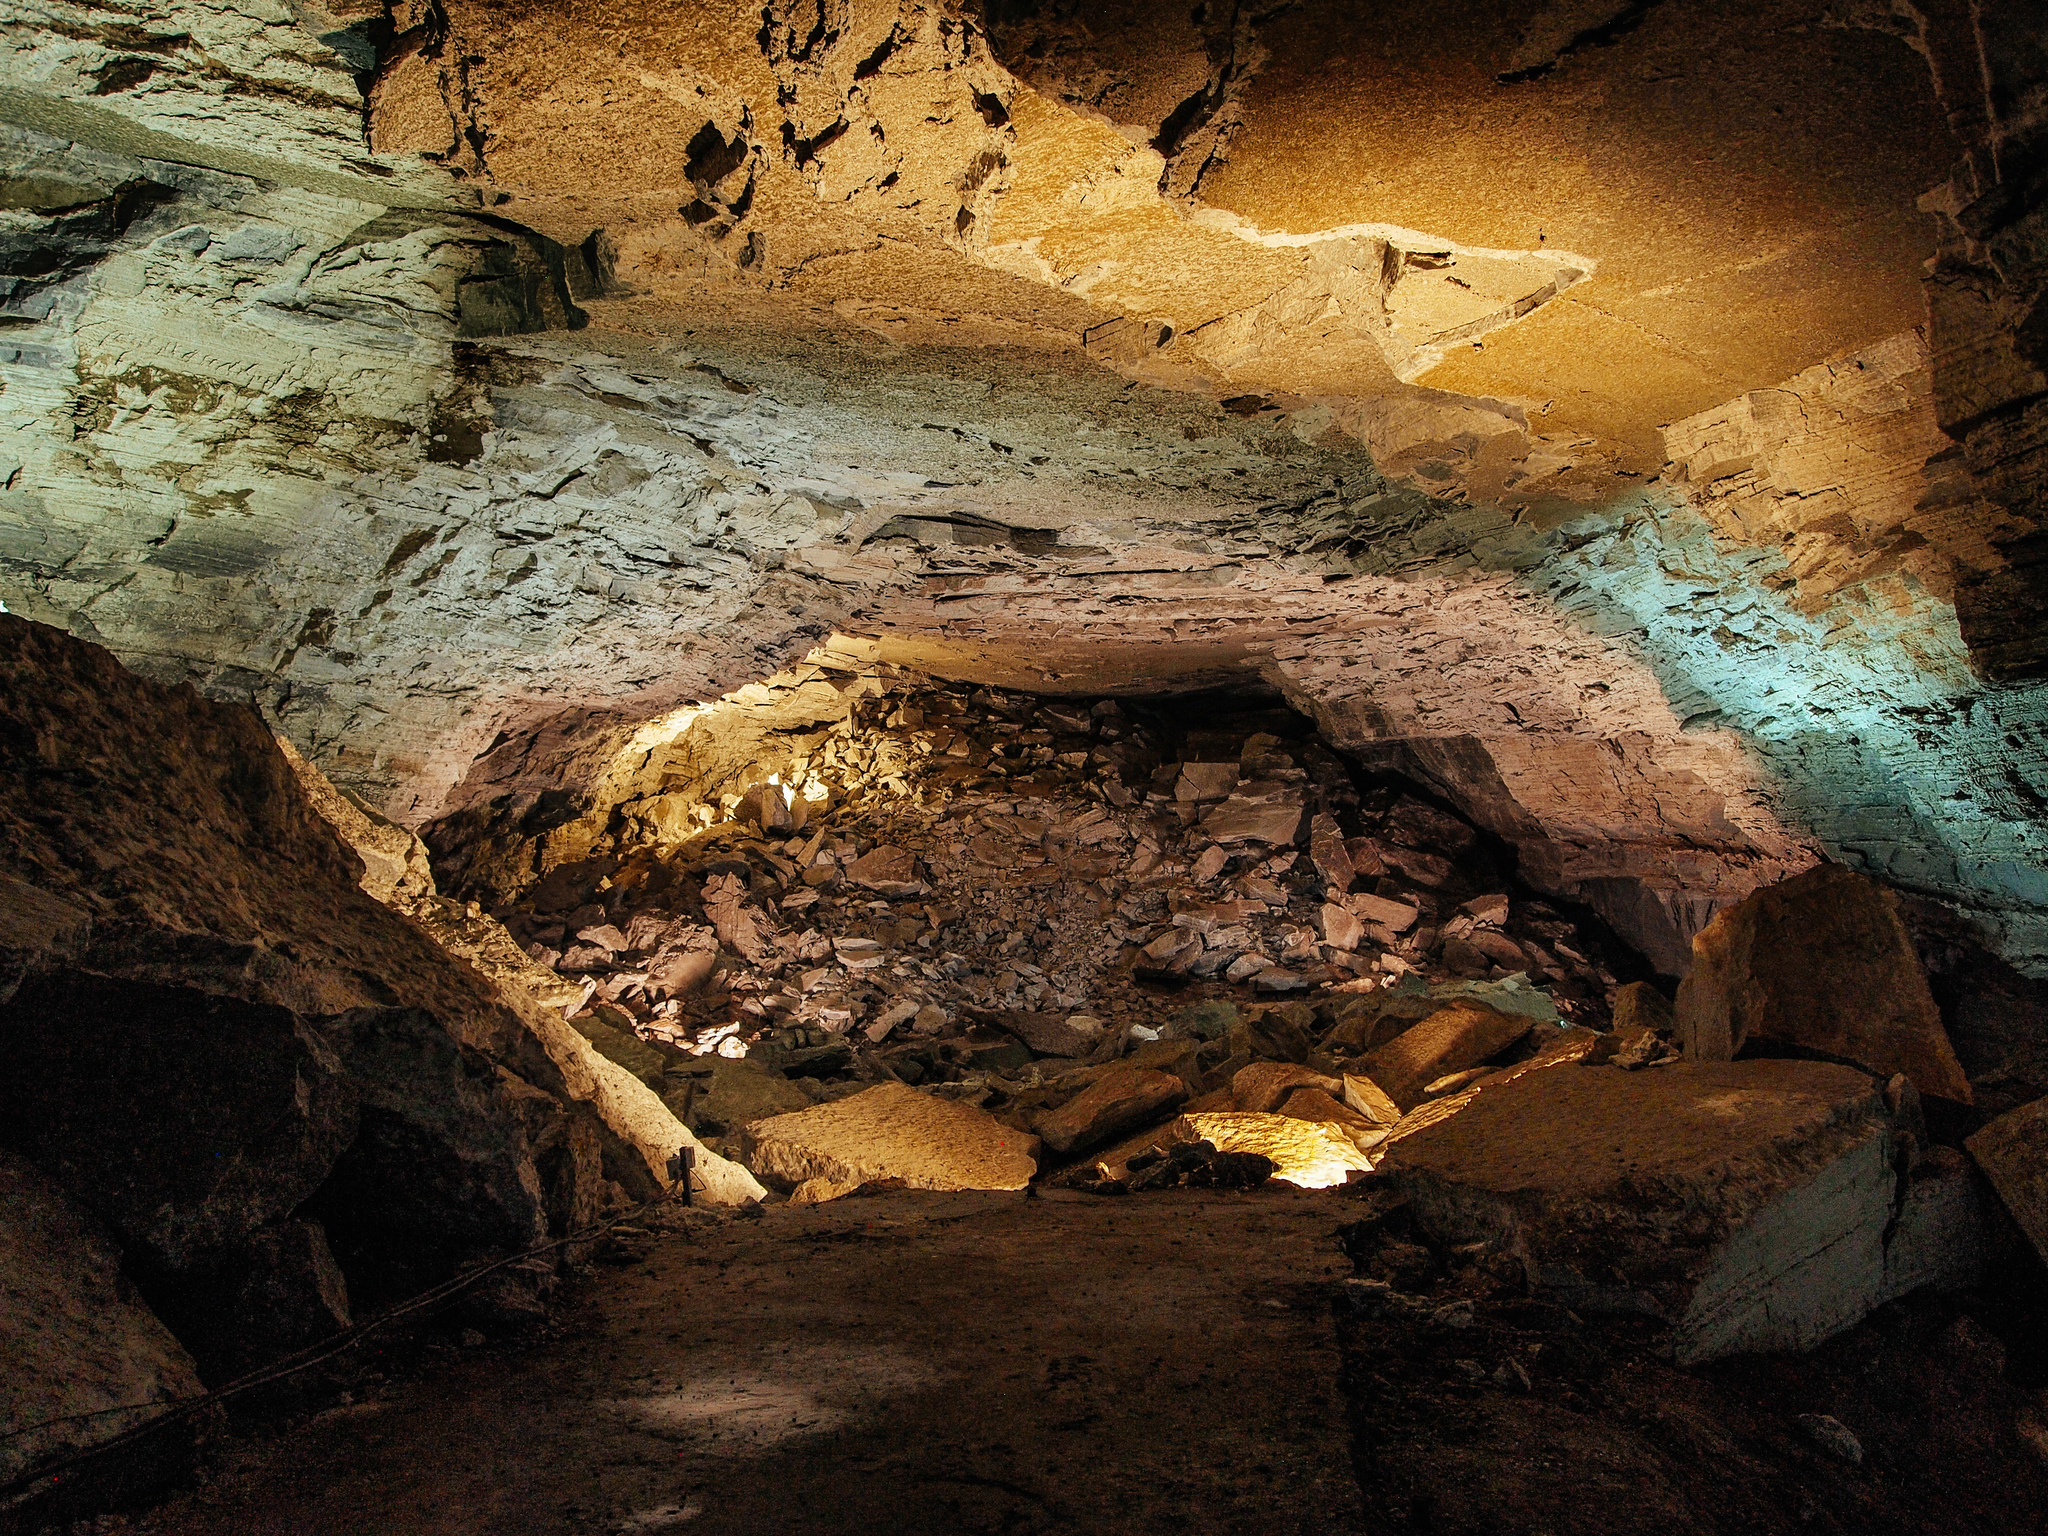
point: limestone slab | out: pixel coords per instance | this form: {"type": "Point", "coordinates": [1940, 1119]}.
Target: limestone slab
{"type": "Point", "coordinates": [1316, 1105]}
{"type": "Point", "coordinates": [890, 1132]}
{"type": "Point", "coordinates": [1305, 1153]}
{"type": "Point", "coordinates": [1450, 1040]}
{"type": "Point", "coordinates": [1276, 823]}
{"type": "Point", "coordinates": [1115, 1102]}
{"type": "Point", "coordinates": [1747, 1201]}
{"type": "Point", "coordinates": [1341, 928]}
{"type": "Point", "coordinates": [1262, 1085]}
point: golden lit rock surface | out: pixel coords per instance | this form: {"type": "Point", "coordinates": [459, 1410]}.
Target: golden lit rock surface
{"type": "Point", "coordinates": [889, 1132]}
{"type": "Point", "coordinates": [1308, 1154]}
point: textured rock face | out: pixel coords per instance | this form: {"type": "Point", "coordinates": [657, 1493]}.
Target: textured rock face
{"type": "Point", "coordinates": [283, 1098]}
{"type": "Point", "coordinates": [1822, 962]}
{"type": "Point", "coordinates": [2013, 1152]}
{"type": "Point", "coordinates": [1750, 1202]}
{"type": "Point", "coordinates": [890, 1132]}
{"type": "Point", "coordinates": [76, 1339]}
{"type": "Point", "coordinates": [968, 336]}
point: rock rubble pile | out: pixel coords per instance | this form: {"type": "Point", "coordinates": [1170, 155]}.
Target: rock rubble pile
{"type": "Point", "coordinates": [1134, 947]}
{"type": "Point", "coordinates": [990, 896]}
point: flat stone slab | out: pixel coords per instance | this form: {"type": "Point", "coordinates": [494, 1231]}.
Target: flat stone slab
{"type": "Point", "coordinates": [1261, 1086]}
{"type": "Point", "coordinates": [1276, 823]}
{"type": "Point", "coordinates": [1747, 1201]}
{"type": "Point", "coordinates": [890, 1132]}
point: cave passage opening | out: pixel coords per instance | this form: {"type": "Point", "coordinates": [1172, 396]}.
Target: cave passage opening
{"type": "Point", "coordinates": [839, 878]}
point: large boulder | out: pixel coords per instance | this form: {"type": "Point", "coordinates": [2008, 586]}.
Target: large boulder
{"type": "Point", "coordinates": [1309, 1154]}
{"type": "Point", "coordinates": [889, 1132]}
{"type": "Point", "coordinates": [1822, 962]}
{"type": "Point", "coordinates": [76, 1342]}
{"type": "Point", "coordinates": [1751, 1203]}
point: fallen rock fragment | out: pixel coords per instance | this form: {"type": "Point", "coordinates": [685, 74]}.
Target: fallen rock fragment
{"type": "Point", "coordinates": [1274, 823]}
{"type": "Point", "coordinates": [1397, 916]}
{"type": "Point", "coordinates": [1113, 1103]}
{"type": "Point", "coordinates": [741, 928]}
{"type": "Point", "coordinates": [1366, 1096]}
{"type": "Point", "coordinates": [1450, 1040]}
{"type": "Point", "coordinates": [1275, 979]}
{"type": "Point", "coordinates": [1261, 1086]}
{"type": "Point", "coordinates": [890, 1132]}
{"type": "Point", "coordinates": [733, 1094]}
{"type": "Point", "coordinates": [1341, 927]}
{"type": "Point", "coordinates": [1832, 1436]}
{"type": "Point", "coordinates": [1748, 1202]}
{"type": "Point", "coordinates": [1640, 1006]}
{"type": "Point", "coordinates": [888, 872]}
{"type": "Point", "coordinates": [1316, 1105]}
{"type": "Point", "coordinates": [1327, 852]}
{"type": "Point", "coordinates": [1046, 1034]}
{"type": "Point", "coordinates": [1821, 961]}
{"type": "Point", "coordinates": [1205, 781]}
{"type": "Point", "coordinates": [682, 975]}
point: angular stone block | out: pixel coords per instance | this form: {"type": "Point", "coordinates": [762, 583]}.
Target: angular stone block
{"type": "Point", "coordinates": [1822, 961]}
{"type": "Point", "coordinates": [1450, 1040]}
{"type": "Point", "coordinates": [891, 1132]}
{"type": "Point", "coordinates": [1305, 1153]}
{"type": "Point", "coordinates": [1938, 1234]}
{"type": "Point", "coordinates": [1341, 928]}
{"type": "Point", "coordinates": [887, 871]}
{"type": "Point", "coordinates": [1316, 1105]}
{"type": "Point", "coordinates": [1261, 1086]}
{"type": "Point", "coordinates": [1366, 1096]}
{"type": "Point", "coordinates": [1396, 916]}
{"type": "Point", "coordinates": [73, 1335]}
{"type": "Point", "coordinates": [1331, 858]}
{"type": "Point", "coordinates": [1748, 1201]}
{"type": "Point", "coordinates": [1116, 1102]}
{"type": "Point", "coordinates": [1205, 781]}
{"type": "Point", "coordinates": [1277, 823]}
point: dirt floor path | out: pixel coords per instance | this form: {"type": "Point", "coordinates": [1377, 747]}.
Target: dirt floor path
{"type": "Point", "coordinates": [901, 1363]}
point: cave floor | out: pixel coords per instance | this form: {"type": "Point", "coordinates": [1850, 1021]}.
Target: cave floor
{"type": "Point", "coordinates": [903, 1362]}
{"type": "Point", "coordinates": [1177, 1363]}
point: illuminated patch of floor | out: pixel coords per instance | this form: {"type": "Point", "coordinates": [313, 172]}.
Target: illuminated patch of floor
{"type": "Point", "coordinates": [802, 1392]}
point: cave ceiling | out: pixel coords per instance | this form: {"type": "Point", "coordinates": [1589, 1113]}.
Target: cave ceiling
{"type": "Point", "coordinates": [1627, 418]}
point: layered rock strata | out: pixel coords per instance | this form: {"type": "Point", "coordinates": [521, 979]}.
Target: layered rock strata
{"type": "Point", "coordinates": [264, 442]}
{"type": "Point", "coordinates": [1749, 1203]}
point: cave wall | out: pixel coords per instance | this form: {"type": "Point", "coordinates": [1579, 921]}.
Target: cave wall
{"type": "Point", "coordinates": [298, 411]}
